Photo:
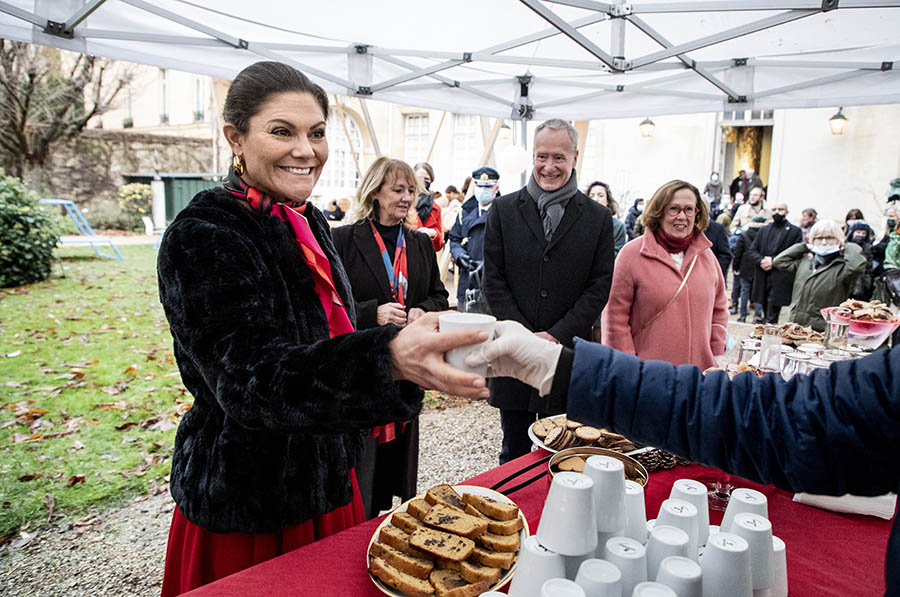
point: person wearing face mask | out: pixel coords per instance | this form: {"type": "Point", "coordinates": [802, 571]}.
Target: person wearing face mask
{"type": "Point", "coordinates": [713, 194]}
{"type": "Point", "coordinates": [853, 216]}
{"type": "Point", "coordinates": [634, 213]}
{"type": "Point", "coordinates": [772, 287]}
{"type": "Point", "coordinates": [754, 205]}
{"type": "Point", "coordinates": [808, 218]}
{"type": "Point", "coordinates": [428, 211]}
{"type": "Point", "coordinates": [825, 269]}
{"type": "Point", "coordinates": [467, 234]}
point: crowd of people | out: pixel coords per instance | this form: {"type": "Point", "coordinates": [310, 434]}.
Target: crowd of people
{"type": "Point", "coordinates": [307, 347]}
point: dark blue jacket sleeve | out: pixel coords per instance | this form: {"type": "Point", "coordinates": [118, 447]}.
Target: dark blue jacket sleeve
{"type": "Point", "coordinates": [835, 431]}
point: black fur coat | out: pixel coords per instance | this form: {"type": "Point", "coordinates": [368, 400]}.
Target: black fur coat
{"type": "Point", "coordinates": [279, 408]}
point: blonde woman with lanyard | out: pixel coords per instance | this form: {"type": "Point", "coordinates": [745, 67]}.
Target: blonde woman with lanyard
{"type": "Point", "coordinates": [395, 279]}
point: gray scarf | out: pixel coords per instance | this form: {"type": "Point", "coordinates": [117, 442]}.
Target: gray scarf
{"type": "Point", "coordinates": [552, 205]}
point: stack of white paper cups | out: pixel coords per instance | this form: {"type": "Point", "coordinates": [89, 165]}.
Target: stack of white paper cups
{"type": "Point", "coordinates": [744, 500]}
{"type": "Point", "coordinates": [608, 475]}
{"type": "Point", "coordinates": [694, 493]}
{"type": "Point", "coordinates": [536, 565]}
{"type": "Point", "coordinates": [726, 567]}
{"type": "Point", "coordinates": [682, 515]}
{"type": "Point", "coordinates": [561, 587]}
{"type": "Point", "coordinates": [635, 512]}
{"type": "Point", "coordinates": [683, 575]}
{"type": "Point", "coordinates": [757, 532]}
{"type": "Point", "coordinates": [665, 541]}
{"type": "Point", "coordinates": [631, 559]}
{"type": "Point", "coordinates": [568, 524]}
{"type": "Point", "coordinates": [599, 578]}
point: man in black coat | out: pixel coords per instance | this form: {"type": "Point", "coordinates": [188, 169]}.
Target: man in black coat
{"type": "Point", "coordinates": [718, 236]}
{"type": "Point", "coordinates": [548, 262]}
{"type": "Point", "coordinates": [771, 287]}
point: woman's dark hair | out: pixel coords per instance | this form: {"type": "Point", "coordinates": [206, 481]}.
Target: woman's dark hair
{"type": "Point", "coordinates": [466, 183]}
{"type": "Point", "coordinates": [610, 202]}
{"type": "Point", "coordinates": [451, 189]}
{"type": "Point", "coordinates": [854, 214]}
{"type": "Point", "coordinates": [254, 85]}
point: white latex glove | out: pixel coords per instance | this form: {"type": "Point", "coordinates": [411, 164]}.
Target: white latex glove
{"type": "Point", "coordinates": [518, 353]}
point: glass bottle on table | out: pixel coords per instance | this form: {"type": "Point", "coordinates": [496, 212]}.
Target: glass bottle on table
{"type": "Point", "coordinates": [770, 349]}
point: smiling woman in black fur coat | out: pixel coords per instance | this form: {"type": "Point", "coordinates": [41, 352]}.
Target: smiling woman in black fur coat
{"type": "Point", "coordinates": [262, 318]}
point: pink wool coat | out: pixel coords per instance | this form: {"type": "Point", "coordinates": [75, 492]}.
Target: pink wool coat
{"type": "Point", "coordinates": [692, 329]}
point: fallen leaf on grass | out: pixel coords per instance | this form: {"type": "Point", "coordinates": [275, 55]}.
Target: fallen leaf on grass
{"type": "Point", "coordinates": [120, 405]}
{"type": "Point", "coordinates": [13, 354]}
{"type": "Point", "coordinates": [30, 477]}
{"type": "Point", "coordinates": [76, 372]}
{"type": "Point", "coordinates": [74, 480]}
{"type": "Point", "coordinates": [19, 438]}
{"type": "Point", "coordinates": [115, 389]}
{"type": "Point", "coordinates": [13, 384]}
{"type": "Point", "coordinates": [4, 539]}
{"type": "Point", "coordinates": [77, 445]}
{"type": "Point", "coordinates": [131, 369]}
{"type": "Point", "coordinates": [127, 425]}
{"type": "Point", "coordinates": [50, 502]}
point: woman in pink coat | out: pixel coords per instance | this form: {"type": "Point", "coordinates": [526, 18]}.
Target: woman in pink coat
{"type": "Point", "coordinates": [667, 300]}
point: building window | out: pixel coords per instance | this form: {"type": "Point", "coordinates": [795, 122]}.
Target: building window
{"type": "Point", "coordinates": [416, 138]}
{"type": "Point", "coordinates": [339, 177]}
{"type": "Point", "coordinates": [163, 96]}
{"type": "Point", "coordinates": [467, 147]}
{"type": "Point", "coordinates": [200, 98]}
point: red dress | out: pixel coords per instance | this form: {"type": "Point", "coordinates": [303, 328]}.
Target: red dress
{"type": "Point", "coordinates": [196, 556]}
{"type": "Point", "coordinates": [433, 221]}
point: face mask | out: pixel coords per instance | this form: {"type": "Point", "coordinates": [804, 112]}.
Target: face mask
{"type": "Point", "coordinates": [484, 195]}
{"type": "Point", "coordinates": [714, 178]}
{"type": "Point", "coordinates": [640, 208]}
{"type": "Point", "coordinates": [892, 223]}
{"type": "Point", "coordinates": [427, 184]}
{"type": "Point", "coordinates": [824, 250]}
{"type": "Point", "coordinates": [778, 219]}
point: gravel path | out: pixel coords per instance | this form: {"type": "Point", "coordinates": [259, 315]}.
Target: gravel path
{"type": "Point", "coordinates": [122, 552]}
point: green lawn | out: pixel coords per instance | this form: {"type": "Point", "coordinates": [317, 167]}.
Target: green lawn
{"type": "Point", "coordinates": [89, 391]}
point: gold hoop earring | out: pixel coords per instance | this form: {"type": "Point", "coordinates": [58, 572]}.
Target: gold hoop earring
{"type": "Point", "coordinates": [237, 163]}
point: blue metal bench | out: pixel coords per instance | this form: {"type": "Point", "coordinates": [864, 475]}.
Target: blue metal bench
{"type": "Point", "coordinates": [86, 235]}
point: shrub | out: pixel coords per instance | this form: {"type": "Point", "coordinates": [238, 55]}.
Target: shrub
{"type": "Point", "coordinates": [135, 198]}
{"type": "Point", "coordinates": [27, 234]}
{"type": "Point", "coordinates": [105, 214]}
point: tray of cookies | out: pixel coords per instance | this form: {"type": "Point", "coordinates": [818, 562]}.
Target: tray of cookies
{"type": "Point", "coordinates": [458, 540]}
{"type": "Point", "coordinates": [558, 433]}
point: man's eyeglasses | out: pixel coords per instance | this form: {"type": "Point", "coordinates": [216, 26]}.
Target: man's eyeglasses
{"type": "Point", "coordinates": [689, 210]}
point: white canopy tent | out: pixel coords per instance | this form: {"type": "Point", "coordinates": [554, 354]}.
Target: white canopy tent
{"type": "Point", "coordinates": [524, 59]}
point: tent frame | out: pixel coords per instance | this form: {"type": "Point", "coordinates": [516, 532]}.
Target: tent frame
{"type": "Point", "coordinates": [624, 19]}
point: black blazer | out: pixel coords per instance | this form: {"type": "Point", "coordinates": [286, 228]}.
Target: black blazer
{"type": "Point", "coordinates": [559, 286]}
{"type": "Point", "coordinates": [359, 253]}
{"type": "Point", "coordinates": [777, 285]}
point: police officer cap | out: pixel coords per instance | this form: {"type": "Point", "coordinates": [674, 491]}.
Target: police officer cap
{"type": "Point", "coordinates": [485, 176]}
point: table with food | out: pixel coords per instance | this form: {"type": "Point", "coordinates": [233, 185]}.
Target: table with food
{"type": "Point", "coordinates": [586, 511]}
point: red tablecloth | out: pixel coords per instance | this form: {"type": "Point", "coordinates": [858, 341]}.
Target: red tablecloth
{"type": "Point", "coordinates": [827, 553]}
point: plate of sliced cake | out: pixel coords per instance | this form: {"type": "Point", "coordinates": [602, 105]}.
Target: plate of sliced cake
{"type": "Point", "coordinates": [458, 540]}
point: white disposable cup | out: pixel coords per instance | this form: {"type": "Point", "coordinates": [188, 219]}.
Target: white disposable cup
{"type": "Point", "coordinates": [726, 567]}
{"type": "Point", "coordinates": [780, 588]}
{"type": "Point", "coordinates": [454, 322]}
{"type": "Point", "coordinates": [650, 525]}
{"type": "Point", "coordinates": [695, 493]}
{"type": "Point", "coordinates": [653, 589]}
{"type": "Point", "coordinates": [630, 557]}
{"type": "Point", "coordinates": [573, 563]}
{"type": "Point", "coordinates": [682, 574]}
{"type": "Point", "coordinates": [536, 565]}
{"type": "Point", "coordinates": [635, 512]}
{"type": "Point", "coordinates": [665, 541]}
{"type": "Point", "coordinates": [561, 587]}
{"type": "Point", "coordinates": [682, 515]}
{"type": "Point", "coordinates": [744, 500]}
{"type": "Point", "coordinates": [599, 578]}
{"type": "Point", "coordinates": [608, 474]}
{"type": "Point", "coordinates": [494, 594]}
{"type": "Point", "coordinates": [567, 522]}
{"type": "Point", "coordinates": [757, 532]}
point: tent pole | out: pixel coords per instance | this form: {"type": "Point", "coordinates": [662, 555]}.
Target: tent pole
{"type": "Point", "coordinates": [489, 145]}
{"type": "Point", "coordinates": [582, 126]}
{"type": "Point", "coordinates": [569, 31]}
{"type": "Point", "coordinates": [436, 133]}
{"type": "Point", "coordinates": [524, 143]}
{"type": "Point", "coordinates": [83, 13]}
{"type": "Point", "coordinates": [370, 126]}
{"type": "Point", "coordinates": [340, 111]}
